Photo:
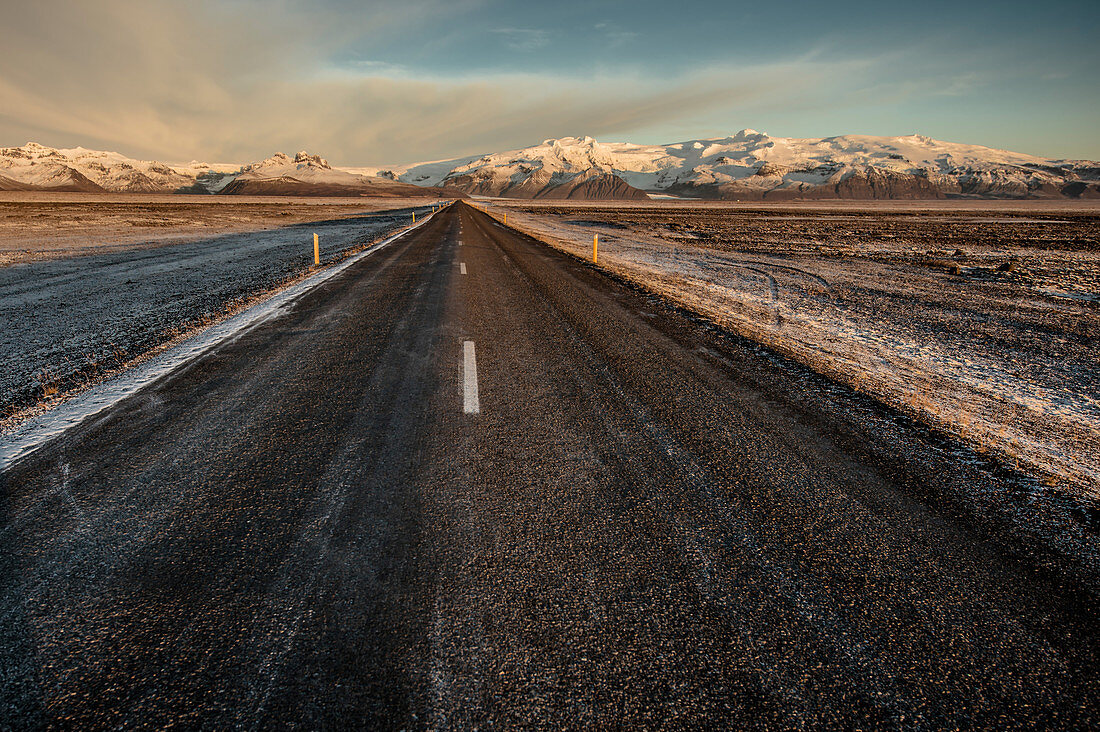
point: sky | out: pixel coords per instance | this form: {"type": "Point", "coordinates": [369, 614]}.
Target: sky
{"type": "Point", "coordinates": [372, 83]}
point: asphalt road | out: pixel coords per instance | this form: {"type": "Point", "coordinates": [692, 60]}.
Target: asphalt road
{"type": "Point", "coordinates": [626, 518]}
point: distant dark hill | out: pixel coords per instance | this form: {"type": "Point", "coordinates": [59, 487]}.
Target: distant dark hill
{"type": "Point", "coordinates": [7, 184]}
{"type": "Point", "coordinates": [58, 177]}
{"type": "Point", "coordinates": [594, 188]}
{"type": "Point", "coordinates": [382, 188]}
{"type": "Point", "coordinates": [861, 184]}
{"type": "Point", "coordinates": [588, 185]}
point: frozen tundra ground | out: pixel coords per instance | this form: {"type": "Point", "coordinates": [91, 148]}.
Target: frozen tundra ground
{"type": "Point", "coordinates": [69, 320]}
{"type": "Point", "coordinates": [981, 319]}
{"type": "Point", "coordinates": [38, 225]}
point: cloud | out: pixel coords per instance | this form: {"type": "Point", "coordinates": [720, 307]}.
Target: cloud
{"type": "Point", "coordinates": [235, 80]}
{"type": "Point", "coordinates": [615, 36]}
{"type": "Point", "coordinates": [371, 67]}
{"type": "Point", "coordinates": [523, 39]}
{"type": "Point", "coordinates": [175, 82]}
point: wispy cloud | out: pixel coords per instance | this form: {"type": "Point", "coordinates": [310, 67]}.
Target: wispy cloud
{"type": "Point", "coordinates": [615, 36]}
{"type": "Point", "coordinates": [523, 39]}
{"type": "Point", "coordinates": [216, 86]}
{"type": "Point", "coordinates": [961, 85]}
{"type": "Point", "coordinates": [371, 67]}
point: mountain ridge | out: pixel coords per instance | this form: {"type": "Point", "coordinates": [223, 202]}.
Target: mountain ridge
{"type": "Point", "coordinates": [35, 167]}
{"type": "Point", "coordinates": [751, 165]}
{"type": "Point", "coordinates": [311, 175]}
{"type": "Point", "coordinates": [748, 165]}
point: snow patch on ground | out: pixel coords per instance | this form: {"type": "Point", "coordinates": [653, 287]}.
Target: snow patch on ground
{"type": "Point", "coordinates": [962, 352]}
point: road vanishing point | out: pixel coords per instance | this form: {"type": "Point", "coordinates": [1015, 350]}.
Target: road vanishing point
{"type": "Point", "coordinates": [471, 481]}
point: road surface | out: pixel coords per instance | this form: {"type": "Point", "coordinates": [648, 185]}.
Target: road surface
{"type": "Point", "coordinates": [472, 481]}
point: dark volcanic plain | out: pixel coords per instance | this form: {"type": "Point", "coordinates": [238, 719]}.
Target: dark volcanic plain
{"type": "Point", "coordinates": [980, 317]}
{"type": "Point", "coordinates": [651, 522]}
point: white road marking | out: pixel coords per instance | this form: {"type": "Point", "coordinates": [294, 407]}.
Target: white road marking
{"type": "Point", "coordinates": [462, 267]}
{"type": "Point", "coordinates": [469, 384]}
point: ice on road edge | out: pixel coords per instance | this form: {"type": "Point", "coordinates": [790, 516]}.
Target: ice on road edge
{"type": "Point", "coordinates": [33, 433]}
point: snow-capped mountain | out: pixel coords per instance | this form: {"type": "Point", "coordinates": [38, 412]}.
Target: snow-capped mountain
{"type": "Point", "coordinates": [303, 168]}
{"type": "Point", "coordinates": [752, 166]}
{"type": "Point", "coordinates": [37, 167]}
{"type": "Point", "coordinates": [311, 175]}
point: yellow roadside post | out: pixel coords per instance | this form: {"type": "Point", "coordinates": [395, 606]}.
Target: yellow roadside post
{"type": "Point", "coordinates": [316, 250]}
{"type": "Point", "coordinates": [595, 248]}
{"type": "Point", "coordinates": [414, 217]}
{"type": "Point", "coordinates": [505, 219]}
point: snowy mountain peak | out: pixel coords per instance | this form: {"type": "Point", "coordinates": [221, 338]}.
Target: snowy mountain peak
{"type": "Point", "coordinates": [304, 157]}
{"type": "Point", "coordinates": [33, 150]}
{"type": "Point", "coordinates": [281, 164]}
{"type": "Point", "coordinates": [279, 158]}
{"type": "Point", "coordinates": [563, 142]}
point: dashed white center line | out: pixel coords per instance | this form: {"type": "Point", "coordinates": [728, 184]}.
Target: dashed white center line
{"type": "Point", "coordinates": [470, 403]}
{"type": "Point", "coordinates": [462, 267]}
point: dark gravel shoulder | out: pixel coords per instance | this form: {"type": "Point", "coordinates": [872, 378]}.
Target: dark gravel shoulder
{"type": "Point", "coordinates": [68, 320]}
